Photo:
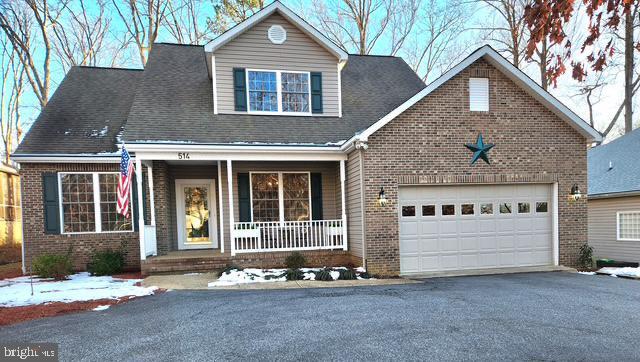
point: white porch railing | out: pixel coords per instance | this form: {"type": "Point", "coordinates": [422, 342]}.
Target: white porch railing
{"type": "Point", "coordinates": [251, 237]}
{"type": "Point", "coordinates": [150, 244]}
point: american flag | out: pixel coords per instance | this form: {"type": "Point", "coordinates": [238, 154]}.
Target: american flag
{"type": "Point", "coordinates": [124, 183]}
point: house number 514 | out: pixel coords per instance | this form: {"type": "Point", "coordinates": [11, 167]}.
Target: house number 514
{"type": "Point", "coordinates": [184, 156]}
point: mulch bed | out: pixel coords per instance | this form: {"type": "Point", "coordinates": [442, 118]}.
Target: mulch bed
{"type": "Point", "coordinates": [12, 270]}
{"type": "Point", "coordinates": [21, 314]}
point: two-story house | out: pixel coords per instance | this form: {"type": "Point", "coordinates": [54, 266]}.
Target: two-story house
{"type": "Point", "coordinates": [271, 139]}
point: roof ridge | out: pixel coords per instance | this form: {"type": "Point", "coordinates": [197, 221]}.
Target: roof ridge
{"type": "Point", "coordinates": [178, 44]}
{"type": "Point", "coordinates": [106, 68]}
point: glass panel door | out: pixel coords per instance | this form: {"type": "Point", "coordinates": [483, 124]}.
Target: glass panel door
{"type": "Point", "coordinates": [196, 207]}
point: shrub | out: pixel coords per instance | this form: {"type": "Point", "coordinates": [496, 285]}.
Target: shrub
{"type": "Point", "coordinates": [364, 275]}
{"type": "Point", "coordinates": [294, 274]}
{"type": "Point", "coordinates": [585, 258]}
{"type": "Point", "coordinates": [347, 274]}
{"type": "Point", "coordinates": [54, 266]}
{"type": "Point", "coordinates": [295, 260]}
{"type": "Point", "coordinates": [106, 262]}
{"type": "Point", "coordinates": [324, 275]}
{"type": "Point", "coordinates": [229, 268]}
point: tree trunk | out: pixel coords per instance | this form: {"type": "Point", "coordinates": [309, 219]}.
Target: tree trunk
{"type": "Point", "coordinates": [628, 71]}
{"type": "Point", "coordinates": [543, 64]}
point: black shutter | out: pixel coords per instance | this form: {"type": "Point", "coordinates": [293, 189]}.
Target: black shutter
{"type": "Point", "coordinates": [244, 198]}
{"type": "Point", "coordinates": [316, 196]}
{"type": "Point", "coordinates": [134, 202]}
{"type": "Point", "coordinates": [51, 203]}
{"type": "Point", "coordinates": [316, 92]}
{"type": "Point", "coordinates": [239, 89]}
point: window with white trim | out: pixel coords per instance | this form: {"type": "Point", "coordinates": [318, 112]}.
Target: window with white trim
{"type": "Point", "coordinates": [280, 196]}
{"type": "Point", "coordinates": [286, 92]}
{"type": "Point", "coordinates": [88, 203]}
{"type": "Point", "coordinates": [629, 225]}
{"type": "Point", "coordinates": [479, 94]}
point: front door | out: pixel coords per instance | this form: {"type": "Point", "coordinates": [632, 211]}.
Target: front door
{"type": "Point", "coordinates": [196, 214]}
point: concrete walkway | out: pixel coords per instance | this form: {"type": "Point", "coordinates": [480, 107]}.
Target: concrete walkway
{"type": "Point", "coordinates": [194, 281]}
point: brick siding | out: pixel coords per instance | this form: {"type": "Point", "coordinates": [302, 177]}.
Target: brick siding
{"type": "Point", "coordinates": [424, 145]}
{"type": "Point", "coordinates": [82, 246]}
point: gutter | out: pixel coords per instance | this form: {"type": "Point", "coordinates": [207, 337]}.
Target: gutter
{"type": "Point", "coordinates": [611, 195]}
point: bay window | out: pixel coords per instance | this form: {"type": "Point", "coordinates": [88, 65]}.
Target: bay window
{"type": "Point", "coordinates": [88, 203]}
{"type": "Point", "coordinates": [280, 196]}
{"type": "Point", "coordinates": [279, 92]}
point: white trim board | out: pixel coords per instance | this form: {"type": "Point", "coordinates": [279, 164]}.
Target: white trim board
{"type": "Point", "coordinates": [513, 73]}
{"type": "Point", "coordinates": [234, 32]}
{"type": "Point", "coordinates": [180, 221]}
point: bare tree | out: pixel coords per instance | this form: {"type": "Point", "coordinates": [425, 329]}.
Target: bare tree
{"type": "Point", "coordinates": [142, 20]}
{"type": "Point", "coordinates": [434, 47]}
{"type": "Point", "coordinates": [12, 72]}
{"type": "Point", "coordinates": [80, 38]}
{"type": "Point", "coordinates": [185, 24]}
{"type": "Point", "coordinates": [231, 12]}
{"type": "Point", "coordinates": [20, 21]}
{"type": "Point", "coordinates": [507, 27]}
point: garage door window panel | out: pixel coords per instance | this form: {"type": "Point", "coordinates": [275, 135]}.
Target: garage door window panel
{"type": "Point", "coordinates": [505, 208]}
{"type": "Point", "coordinates": [428, 210]}
{"type": "Point", "coordinates": [524, 208]}
{"type": "Point", "coordinates": [408, 211]}
{"type": "Point", "coordinates": [448, 210]}
{"type": "Point", "coordinates": [486, 209]}
{"type": "Point", "coordinates": [542, 207]}
{"type": "Point", "coordinates": [467, 209]}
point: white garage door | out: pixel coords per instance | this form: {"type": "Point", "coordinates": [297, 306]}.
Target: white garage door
{"type": "Point", "coordinates": [446, 228]}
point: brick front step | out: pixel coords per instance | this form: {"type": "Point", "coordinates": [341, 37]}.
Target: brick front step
{"type": "Point", "coordinates": [185, 263]}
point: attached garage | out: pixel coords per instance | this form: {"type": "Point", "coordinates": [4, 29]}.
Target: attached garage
{"type": "Point", "coordinates": [465, 227]}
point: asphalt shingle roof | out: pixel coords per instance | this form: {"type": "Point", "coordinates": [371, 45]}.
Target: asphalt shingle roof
{"type": "Point", "coordinates": [624, 175]}
{"type": "Point", "coordinates": [172, 100]}
{"type": "Point", "coordinates": [86, 113]}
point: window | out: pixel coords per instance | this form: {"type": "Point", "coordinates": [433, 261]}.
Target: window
{"type": "Point", "coordinates": [486, 209]}
{"type": "Point", "coordinates": [629, 225]}
{"type": "Point", "coordinates": [428, 210]}
{"type": "Point", "coordinates": [109, 217]}
{"type": "Point", "coordinates": [542, 206]}
{"type": "Point", "coordinates": [505, 208]}
{"type": "Point", "coordinates": [467, 209]}
{"type": "Point", "coordinates": [448, 210]}
{"type": "Point", "coordinates": [280, 196]}
{"type": "Point", "coordinates": [479, 94]}
{"type": "Point", "coordinates": [295, 92]}
{"type": "Point", "coordinates": [279, 92]}
{"type": "Point", "coordinates": [265, 196]}
{"type": "Point", "coordinates": [408, 211]}
{"type": "Point", "coordinates": [523, 208]}
{"type": "Point", "coordinates": [263, 91]}
{"type": "Point", "coordinates": [88, 203]}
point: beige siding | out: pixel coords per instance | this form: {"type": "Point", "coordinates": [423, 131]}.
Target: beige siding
{"type": "Point", "coordinates": [603, 228]}
{"type": "Point", "coordinates": [354, 203]}
{"type": "Point", "coordinates": [329, 170]}
{"type": "Point", "coordinates": [299, 52]}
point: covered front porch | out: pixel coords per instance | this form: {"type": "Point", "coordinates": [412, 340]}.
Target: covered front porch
{"type": "Point", "coordinates": [211, 212]}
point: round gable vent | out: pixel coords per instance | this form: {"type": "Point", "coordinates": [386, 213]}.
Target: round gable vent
{"type": "Point", "coordinates": [277, 34]}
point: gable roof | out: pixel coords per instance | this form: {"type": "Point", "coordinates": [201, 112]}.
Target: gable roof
{"type": "Point", "coordinates": [86, 113]}
{"type": "Point", "coordinates": [311, 31]}
{"type": "Point", "coordinates": [175, 97]}
{"type": "Point", "coordinates": [513, 73]}
{"type": "Point", "coordinates": [624, 176]}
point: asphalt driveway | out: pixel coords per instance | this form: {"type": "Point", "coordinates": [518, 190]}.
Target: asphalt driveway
{"type": "Point", "coordinates": [539, 316]}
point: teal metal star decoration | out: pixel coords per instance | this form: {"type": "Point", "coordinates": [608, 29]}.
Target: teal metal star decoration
{"type": "Point", "coordinates": [479, 149]}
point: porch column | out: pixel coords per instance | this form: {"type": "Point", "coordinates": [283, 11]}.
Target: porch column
{"type": "Point", "coordinates": [231, 221]}
{"type": "Point", "coordinates": [152, 205]}
{"type": "Point", "coordinates": [220, 203]}
{"type": "Point", "coordinates": [343, 178]}
{"type": "Point", "coordinates": [143, 251]}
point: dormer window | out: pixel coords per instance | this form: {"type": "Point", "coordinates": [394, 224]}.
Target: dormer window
{"type": "Point", "coordinates": [278, 92]}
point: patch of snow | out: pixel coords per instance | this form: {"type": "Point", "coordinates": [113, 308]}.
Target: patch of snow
{"type": "Point", "coordinates": [101, 307]}
{"type": "Point", "coordinates": [192, 274]}
{"type": "Point", "coordinates": [99, 134]}
{"type": "Point", "coordinates": [587, 273]}
{"type": "Point", "coordinates": [249, 275]}
{"type": "Point", "coordinates": [623, 272]}
{"type": "Point", "coordinates": [80, 287]}
{"type": "Point", "coordinates": [67, 132]}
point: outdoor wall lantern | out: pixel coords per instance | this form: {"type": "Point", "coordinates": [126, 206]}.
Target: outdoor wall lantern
{"type": "Point", "coordinates": [575, 193]}
{"type": "Point", "coordinates": [382, 199]}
